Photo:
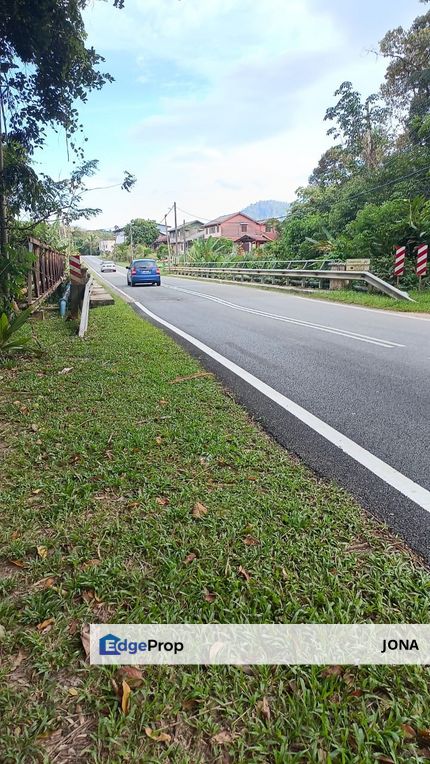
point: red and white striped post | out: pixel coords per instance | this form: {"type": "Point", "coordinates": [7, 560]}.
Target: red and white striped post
{"type": "Point", "coordinates": [399, 262]}
{"type": "Point", "coordinates": [75, 269]}
{"type": "Point", "coordinates": [422, 257]}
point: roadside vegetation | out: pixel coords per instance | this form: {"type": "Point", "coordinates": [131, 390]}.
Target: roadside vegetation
{"type": "Point", "coordinates": [99, 524]}
{"type": "Point", "coordinates": [366, 299]}
{"type": "Point", "coordinates": [369, 191]}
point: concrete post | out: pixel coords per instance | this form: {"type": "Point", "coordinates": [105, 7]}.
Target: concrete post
{"type": "Point", "coordinates": [337, 283]}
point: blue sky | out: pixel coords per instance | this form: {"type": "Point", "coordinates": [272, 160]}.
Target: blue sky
{"type": "Point", "coordinates": [219, 103]}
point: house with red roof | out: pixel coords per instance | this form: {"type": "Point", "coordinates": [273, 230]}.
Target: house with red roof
{"type": "Point", "coordinates": [241, 229]}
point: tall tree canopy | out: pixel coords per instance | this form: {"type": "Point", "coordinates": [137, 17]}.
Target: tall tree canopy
{"type": "Point", "coordinates": [141, 231]}
{"type": "Point", "coordinates": [49, 66]}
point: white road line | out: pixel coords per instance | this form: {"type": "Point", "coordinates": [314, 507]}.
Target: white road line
{"type": "Point", "coordinates": [381, 469]}
{"type": "Point", "coordinates": [296, 321]}
{"type": "Point", "coordinates": [333, 303]}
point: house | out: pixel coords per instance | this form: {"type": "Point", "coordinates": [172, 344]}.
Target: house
{"type": "Point", "coordinates": [106, 246]}
{"type": "Point", "coordinates": [161, 239]}
{"type": "Point", "coordinates": [119, 235]}
{"type": "Point", "coordinates": [241, 229]}
{"type": "Point", "coordinates": [187, 235]}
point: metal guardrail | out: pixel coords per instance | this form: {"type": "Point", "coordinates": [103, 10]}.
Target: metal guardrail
{"type": "Point", "coordinates": [287, 274]}
{"type": "Point", "coordinates": [83, 325]}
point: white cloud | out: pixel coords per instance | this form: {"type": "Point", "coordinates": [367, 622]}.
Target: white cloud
{"type": "Point", "coordinates": [239, 92]}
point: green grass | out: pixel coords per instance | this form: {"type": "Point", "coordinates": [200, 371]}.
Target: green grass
{"type": "Point", "coordinates": [421, 304]}
{"type": "Point", "coordinates": [72, 445]}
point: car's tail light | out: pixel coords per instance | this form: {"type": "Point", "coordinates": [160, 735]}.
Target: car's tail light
{"type": "Point", "coordinates": [133, 271]}
{"type": "Point", "coordinates": [158, 270]}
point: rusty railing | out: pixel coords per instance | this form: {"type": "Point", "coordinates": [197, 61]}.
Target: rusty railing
{"type": "Point", "coordinates": [46, 272]}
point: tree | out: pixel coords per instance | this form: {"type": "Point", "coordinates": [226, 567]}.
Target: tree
{"type": "Point", "coordinates": [335, 167]}
{"type": "Point", "coordinates": [50, 68]}
{"type": "Point", "coordinates": [141, 231]}
{"type": "Point", "coordinates": [361, 126]}
{"type": "Point", "coordinates": [45, 70]}
{"type": "Point", "coordinates": [213, 249]}
{"type": "Point", "coordinates": [407, 79]}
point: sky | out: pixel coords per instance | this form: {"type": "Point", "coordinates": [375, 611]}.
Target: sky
{"type": "Point", "coordinates": [218, 103]}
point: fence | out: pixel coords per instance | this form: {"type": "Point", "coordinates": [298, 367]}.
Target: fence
{"type": "Point", "coordinates": [46, 272]}
{"type": "Point", "coordinates": [285, 275]}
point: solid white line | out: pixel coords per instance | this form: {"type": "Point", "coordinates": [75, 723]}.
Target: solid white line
{"type": "Point", "coordinates": [389, 475]}
{"type": "Point", "coordinates": [289, 320]}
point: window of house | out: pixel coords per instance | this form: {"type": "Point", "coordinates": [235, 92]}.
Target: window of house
{"type": "Point", "coordinates": [244, 227]}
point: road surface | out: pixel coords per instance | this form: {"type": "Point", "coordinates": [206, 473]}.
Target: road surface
{"type": "Point", "coordinates": [347, 389]}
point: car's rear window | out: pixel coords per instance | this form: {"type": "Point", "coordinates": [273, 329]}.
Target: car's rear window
{"type": "Point", "coordinates": [144, 263]}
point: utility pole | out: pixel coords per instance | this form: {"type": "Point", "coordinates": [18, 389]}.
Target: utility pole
{"type": "Point", "coordinates": [169, 259]}
{"type": "Point", "coordinates": [176, 233]}
{"type": "Point", "coordinates": [131, 239]}
{"type": "Point", "coordinates": [183, 239]}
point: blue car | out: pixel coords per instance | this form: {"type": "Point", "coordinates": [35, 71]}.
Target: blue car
{"type": "Point", "coordinates": [143, 271]}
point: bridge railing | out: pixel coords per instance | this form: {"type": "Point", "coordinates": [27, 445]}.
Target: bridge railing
{"type": "Point", "coordinates": [283, 276]}
{"type": "Point", "coordinates": [46, 272]}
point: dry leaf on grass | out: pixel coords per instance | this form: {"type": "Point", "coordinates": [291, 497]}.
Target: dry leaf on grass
{"type": "Point", "coordinates": [158, 440]}
{"type": "Point", "coordinates": [385, 759]}
{"type": "Point", "coordinates": [408, 731]}
{"type": "Point", "coordinates": [423, 753]}
{"type": "Point", "coordinates": [45, 625]}
{"type": "Point", "coordinates": [332, 671]}
{"type": "Point", "coordinates": [72, 691]}
{"type": "Point", "coordinates": [163, 402]}
{"type": "Point", "coordinates": [15, 535]}
{"type": "Point", "coordinates": [423, 737]}
{"type": "Point", "coordinates": [131, 675]}
{"type": "Point", "coordinates": [222, 737]}
{"type": "Point", "coordinates": [18, 563]}
{"type": "Point", "coordinates": [44, 583]}
{"type": "Point", "coordinates": [34, 427]}
{"type": "Point", "coordinates": [42, 552]}
{"type": "Point", "coordinates": [264, 708]}
{"type": "Point", "coordinates": [36, 491]}
{"type": "Point", "coordinates": [189, 558]}
{"type": "Point", "coordinates": [250, 540]}
{"type": "Point", "coordinates": [199, 510]}
{"type": "Point", "coordinates": [163, 501]}
{"type": "Point", "coordinates": [244, 573]}
{"type": "Point", "coordinates": [191, 376]}
{"type": "Point", "coordinates": [90, 563]}
{"type": "Point", "coordinates": [17, 661]}
{"type": "Point", "coordinates": [210, 596]}
{"type": "Point", "coordinates": [159, 737]}
{"type": "Point", "coordinates": [85, 638]}
{"type": "Point", "coordinates": [66, 370]}
{"type": "Point", "coordinates": [125, 697]}
{"type": "Point", "coordinates": [191, 704]}
{"type": "Point", "coordinates": [90, 596]}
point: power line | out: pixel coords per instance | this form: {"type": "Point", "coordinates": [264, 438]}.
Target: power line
{"type": "Point", "coordinates": [391, 182]}
{"type": "Point", "coordinates": [196, 217]}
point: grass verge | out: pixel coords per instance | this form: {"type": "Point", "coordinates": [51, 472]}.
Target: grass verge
{"type": "Point", "coordinates": [421, 304]}
{"type": "Point", "coordinates": [103, 459]}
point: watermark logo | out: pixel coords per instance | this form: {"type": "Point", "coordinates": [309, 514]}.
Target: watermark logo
{"type": "Point", "coordinates": [110, 644]}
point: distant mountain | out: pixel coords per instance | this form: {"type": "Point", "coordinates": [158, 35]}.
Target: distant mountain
{"type": "Point", "coordinates": [266, 209]}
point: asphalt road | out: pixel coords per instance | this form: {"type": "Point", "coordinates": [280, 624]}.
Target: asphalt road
{"type": "Point", "coordinates": [362, 372]}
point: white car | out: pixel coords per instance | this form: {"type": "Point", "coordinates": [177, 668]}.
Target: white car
{"type": "Point", "coordinates": [108, 266]}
